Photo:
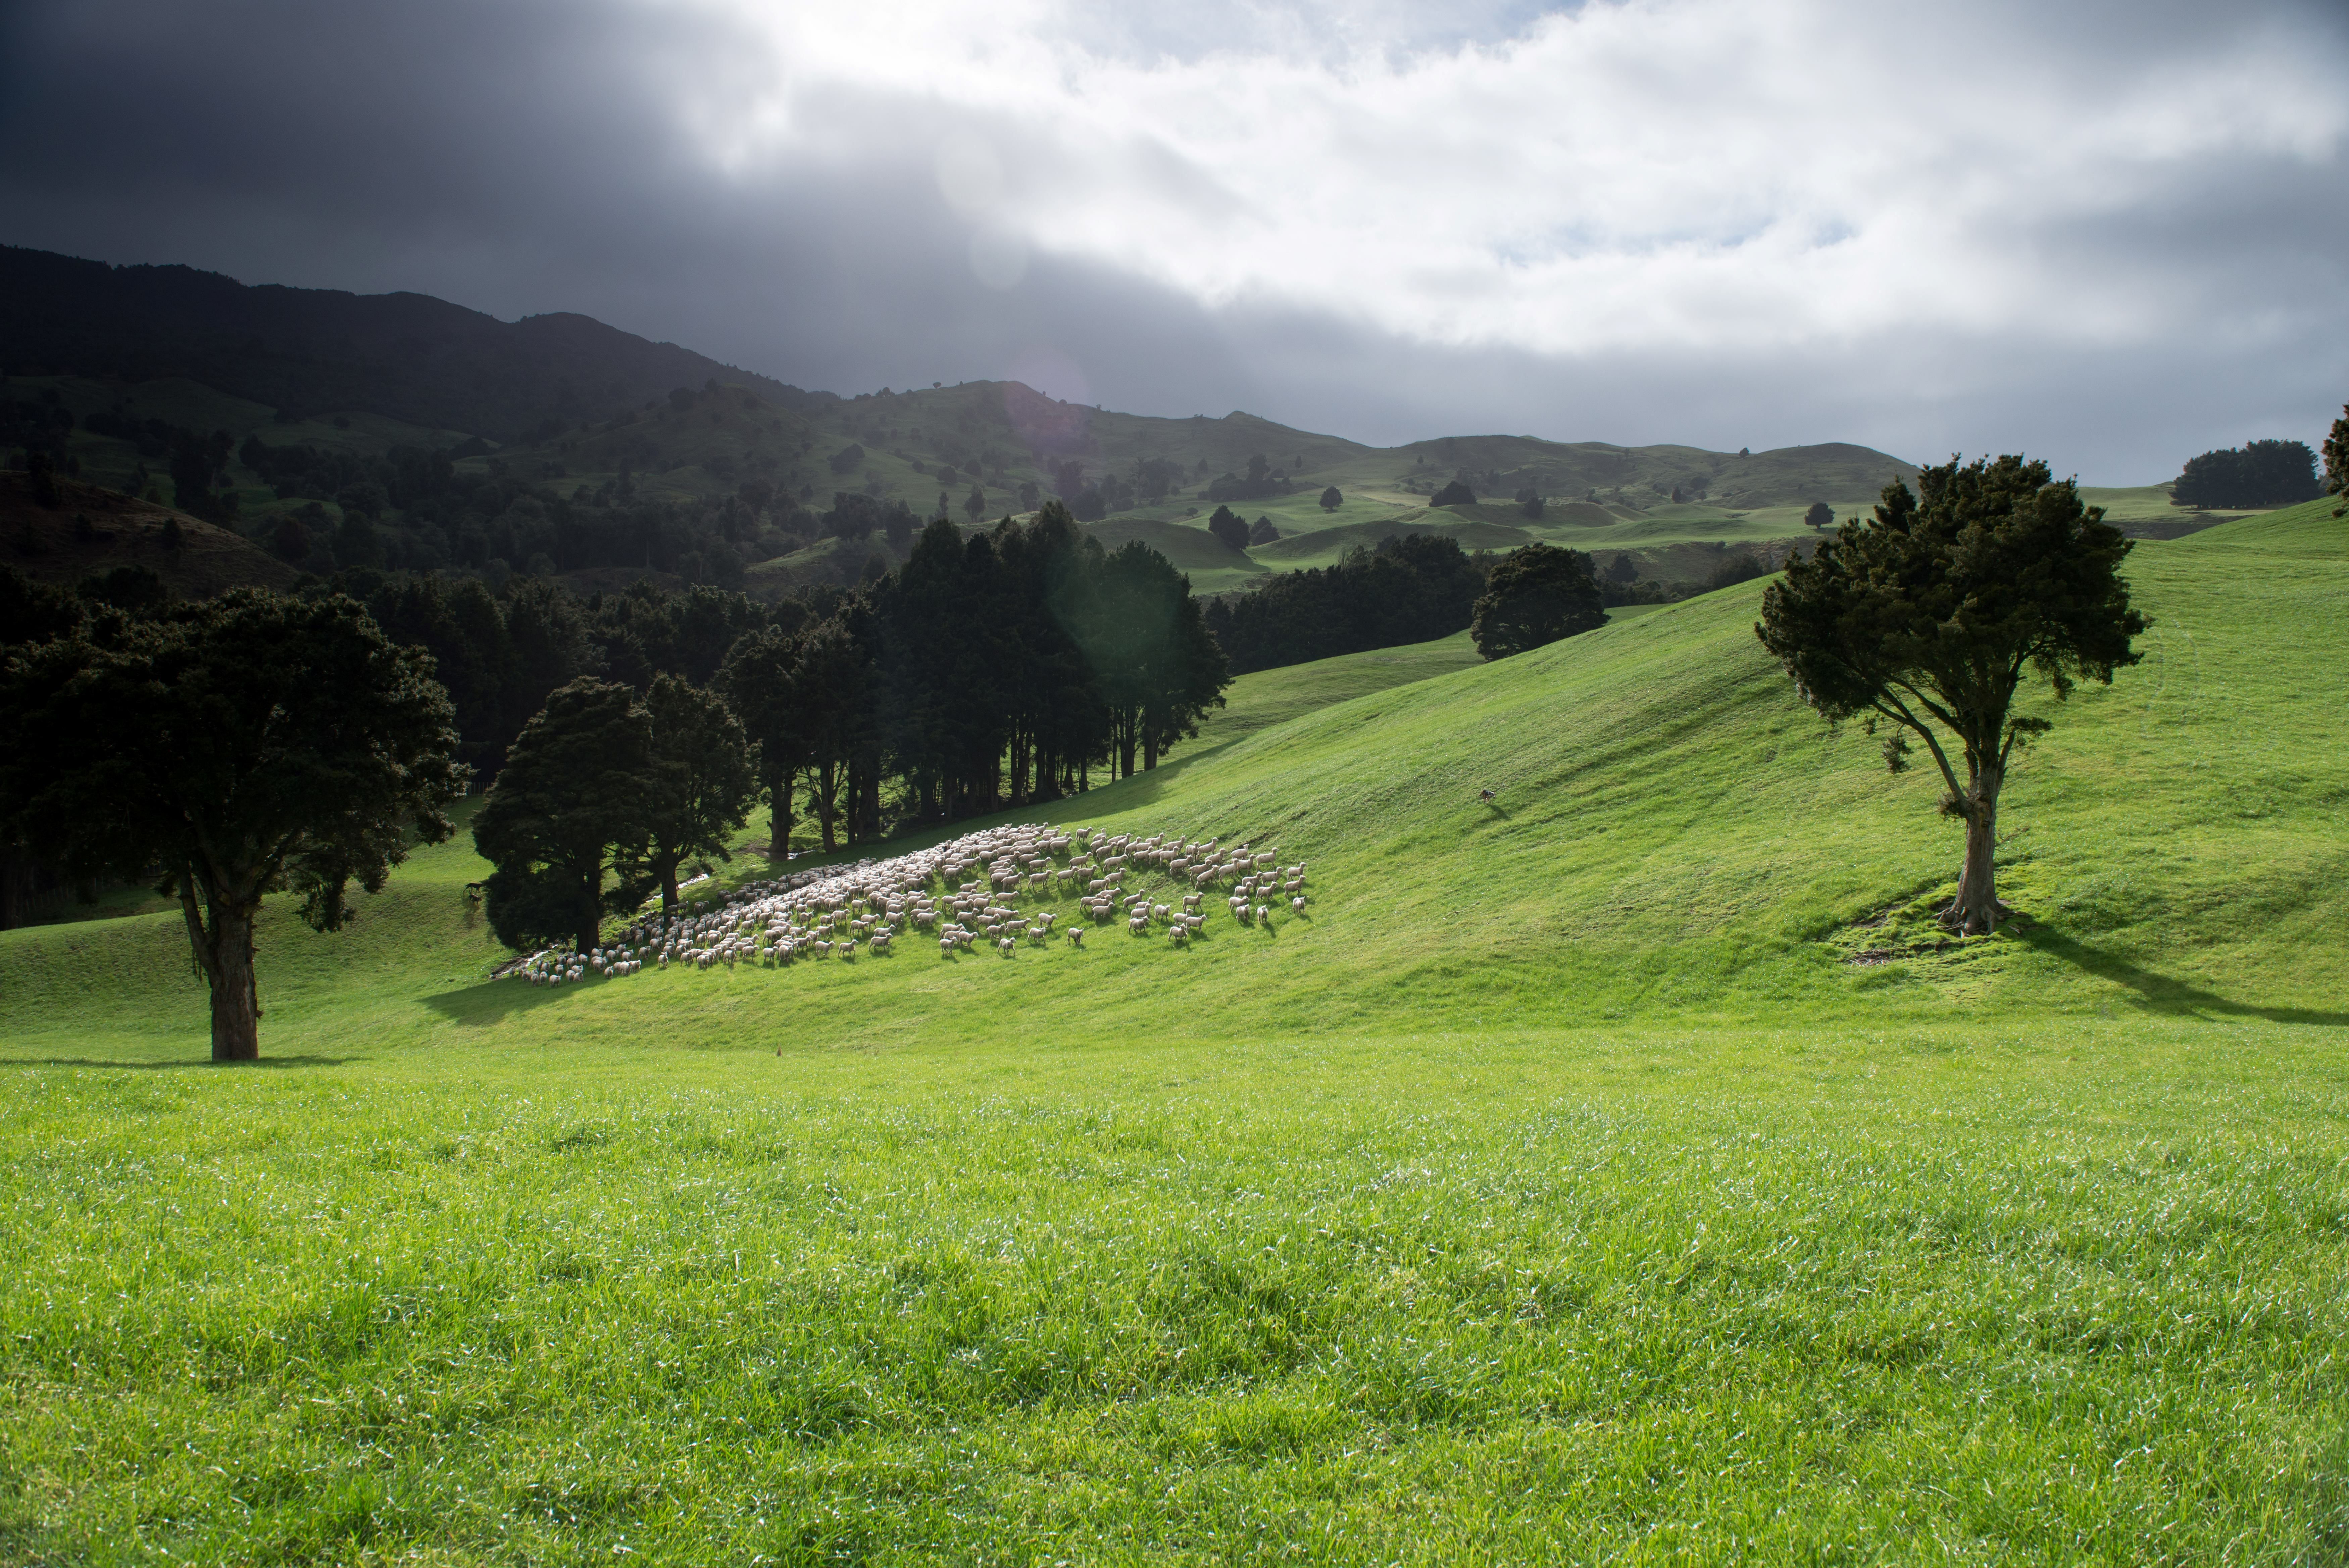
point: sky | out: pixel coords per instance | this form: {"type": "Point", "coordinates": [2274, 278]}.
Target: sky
{"type": "Point", "coordinates": [2110, 235]}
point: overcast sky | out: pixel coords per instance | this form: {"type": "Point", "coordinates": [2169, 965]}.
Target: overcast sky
{"type": "Point", "coordinates": [2112, 235]}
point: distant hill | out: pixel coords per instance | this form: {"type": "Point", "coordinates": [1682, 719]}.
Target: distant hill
{"type": "Point", "coordinates": [91, 531]}
{"type": "Point", "coordinates": [310, 351]}
{"type": "Point", "coordinates": [565, 408]}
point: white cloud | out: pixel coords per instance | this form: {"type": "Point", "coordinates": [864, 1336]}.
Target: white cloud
{"type": "Point", "coordinates": [1735, 176]}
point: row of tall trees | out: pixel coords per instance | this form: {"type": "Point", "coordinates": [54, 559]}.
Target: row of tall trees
{"type": "Point", "coordinates": [986, 672]}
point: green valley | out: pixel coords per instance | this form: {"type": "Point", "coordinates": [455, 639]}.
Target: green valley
{"type": "Point", "coordinates": [1609, 1163]}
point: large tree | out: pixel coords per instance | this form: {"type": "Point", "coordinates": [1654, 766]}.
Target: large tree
{"type": "Point", "coordinates": [568, 823]}
{"type": "Point", "coordinates": [1159, 667]}
{"type": "Point", "coordinates": [239, 746]}
{"type": "Point", "coordinates": [705, 780]}
{"type": "Point", "coordinates": [762, 683]}
{"type": "Point", "coordinates": [1931, 616]}
{"type": "Point", "coordinates": [1536, 595]}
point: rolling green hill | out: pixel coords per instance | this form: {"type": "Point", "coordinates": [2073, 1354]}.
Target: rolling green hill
{"type": "Point", "coordinates": [1607, 1170]}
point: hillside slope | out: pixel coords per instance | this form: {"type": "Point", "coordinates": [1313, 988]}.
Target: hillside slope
{"type": "Point", "coordinates": [1672, 837]}
{"type": "Point", "coordinates": [91, 531]}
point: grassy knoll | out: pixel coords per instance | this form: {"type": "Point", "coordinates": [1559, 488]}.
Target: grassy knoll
{"type": "Point", "coordinates": [1557, 1190]}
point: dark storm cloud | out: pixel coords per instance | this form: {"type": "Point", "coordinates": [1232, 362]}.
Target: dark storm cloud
{"type": "Point", "coordinates": [522, 158]}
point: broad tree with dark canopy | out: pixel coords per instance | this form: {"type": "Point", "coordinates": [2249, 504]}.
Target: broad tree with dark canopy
{"type": "Point", "coordinates": [1536, 595]}
{"type": "Point", "coordinates": [566, 823]}
{"type": "Point", "coordinates": [707, 784]}
{"type": "Point", "coordinates": [1932, 615]}
{"type": "Point", "coordinates": [239, 746]}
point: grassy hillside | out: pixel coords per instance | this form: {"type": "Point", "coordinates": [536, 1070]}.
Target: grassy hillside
{"type": "Point", "coordinates": [1605, 1171]}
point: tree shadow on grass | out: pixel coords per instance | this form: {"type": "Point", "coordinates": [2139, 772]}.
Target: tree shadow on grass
{"type": "Point", "coordinates": [2160, 993]}
{"type": "Point", "coordinates": [265, 1063]}
{"type": "Point", "coordinates": [492, 1001]}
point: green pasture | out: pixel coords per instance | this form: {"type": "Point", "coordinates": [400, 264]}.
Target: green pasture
{"type": "Point", "coordinates": [1616, 1171]}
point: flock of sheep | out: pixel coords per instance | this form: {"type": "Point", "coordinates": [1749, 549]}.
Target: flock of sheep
{"type": "Point", "coordinates": [962, 893]}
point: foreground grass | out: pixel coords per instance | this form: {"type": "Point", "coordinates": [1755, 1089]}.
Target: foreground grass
{"type": "Point", "coordinates": [2028, 1296]}
{"type": "Point", "coordinates": [1556, 1188]}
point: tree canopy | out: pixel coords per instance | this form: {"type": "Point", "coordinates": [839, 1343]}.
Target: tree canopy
{"type": "Point", "coordinates": [1930, 617]}
{"type": "Point", "coordinates": [706, 783]}
{"type": "Point", "coordinates": [1230, 527]}
{"type": "Point", "coordinates": [235, 747]}
{"type": "Point", "coordinates": [2337, 456]}
{"type": "Point", "coordinates": [1819, 515]}
{"type": "Point", "coordinates": [1536, 594]}
{"type": "Point", "coordinates": [1331, 500]}
{"type": "Point", "coordinates": [568, 825]}
{"type": "Point", "coordinates": [2256, 474]}
{"type": "Point", "coordinates": [1456, 493]}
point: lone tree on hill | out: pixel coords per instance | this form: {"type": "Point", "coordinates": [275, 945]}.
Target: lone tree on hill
{"type": "Point", "coordinates": [1536, 595]}
{"type": "Point", "coordinates": [1230, 527]}
{"type": "Point", "coordinates": [1261, 532]}
{"type": "Point", "coordinates": [235, 747]}
{"type": "Point", "coordinates": [1821, 516]}
{"type": "Point", "coordinates": [568, 814]}
{"type": "Point", "coordinates": [1331, 500]}
{"type": "Point", "coordinates": [1931, 616]}
{"type": "Point", "coordinates": [1456, 493]}
{"type": "Point", "coordinates": [707, 784]}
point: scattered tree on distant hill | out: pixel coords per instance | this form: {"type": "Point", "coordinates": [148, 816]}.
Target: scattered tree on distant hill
{"type": "Point", "coordinates": [2256, 474]}
{"type": "Point", "coordinates": [132, 589]}
{"type": "Point", "coordinates": [1930, 617]}
{"type": "Point", "coordinates": [1331, 499]}
{"type": "Point", "coordinates": [231, 747]}
{"type": "Point", "coordinates": [974, 505]}
{"type": "Point", "coordinates": [1262, 532]}
{"type": "Point", "coordinates": [1456, 493]}
{"type": "Point", "coordinates": [2336, 456]}
{"type": "Point", "coordinates": [846, 461]}
{"type": "Point", "coordinates": [1531, 505]}
{"type": "Point", "coordinates": [1820, 516]}
{"type": "Point", "coordinates": [1230, 527]}
{"type": "Point", "coordinates": [1028, 495]}
{"type": "Point", "coordinates": [44, 476]}
{"type": "Point", "coordinates": [706, 785]}
{"type": "Point", "coordinates": [566, 824]}
{"type": "Point", "coordinates": [1536, 595]}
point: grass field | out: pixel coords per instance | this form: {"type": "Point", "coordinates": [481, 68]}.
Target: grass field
{"type": "Point", "coordinates": [1558, 1188]}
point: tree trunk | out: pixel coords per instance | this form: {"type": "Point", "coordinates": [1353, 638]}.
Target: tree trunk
{"type": "Point", "coordinates": [779, 819]}
{"type": "Point", "coordinates": [1976, 910]}
{"type": "Point", "coordinates": [668, 887]}
{"type": "Point", "coordinates": [590, 934]}
{"type": "Point", "coordinates": [236, 999]}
